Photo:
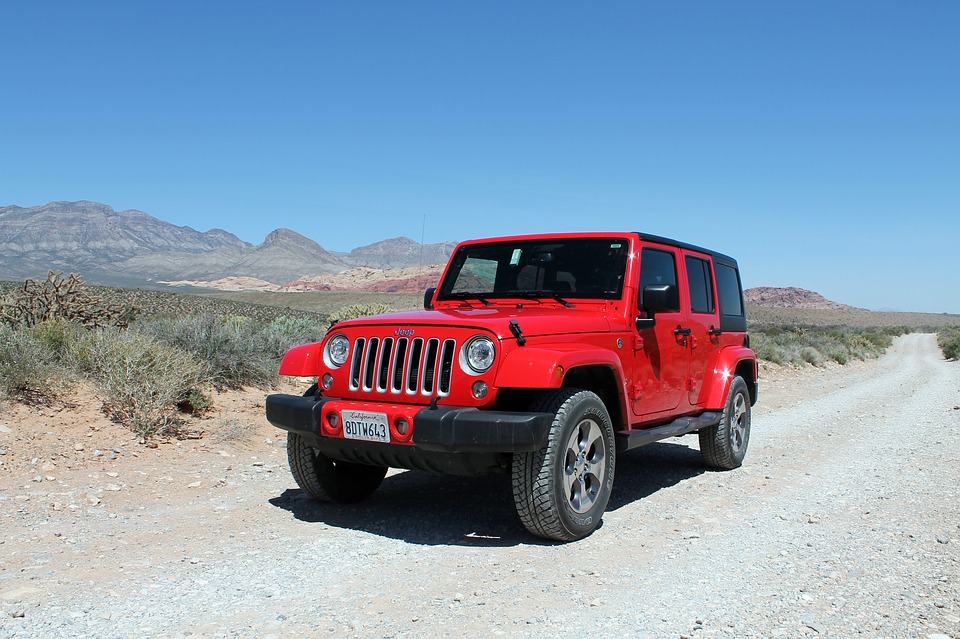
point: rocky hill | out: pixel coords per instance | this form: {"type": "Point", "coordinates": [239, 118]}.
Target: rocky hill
{"type": "Point", "coordinates": [791, 297]}
{"type": "Point", "coordinates": [134, 248]}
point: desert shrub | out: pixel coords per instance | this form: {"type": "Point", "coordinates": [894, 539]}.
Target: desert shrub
{"type": "Point", "coordinates": [196, 402]}
{"type": "Point", "coordinates": [61, 298]}
{"type": "Point", "coordinates": [949, 340]}
{"type": "Point", "coordinates": [799, 345]}
{"type": "Point", "coordinates": [358, 310]}
{"type": "Point", "coordinates": [141, 380]}
{"type": "Point", "coordinates": [283, 333]}
{"type": "Point", "coordinates": [811, 355]}
{"type": "Point", "coordinates": [231, 352]}
{"type": "Point", "coordinates": [28, 371]}
{"type": "Point", "coordinates": [59, 337]}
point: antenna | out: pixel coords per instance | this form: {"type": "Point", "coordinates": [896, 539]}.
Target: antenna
{"type": "Point", "coordinates": [423, 231]}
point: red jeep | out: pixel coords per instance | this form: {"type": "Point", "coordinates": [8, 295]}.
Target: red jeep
{"type": "Point", "coordinates": [543, 356]}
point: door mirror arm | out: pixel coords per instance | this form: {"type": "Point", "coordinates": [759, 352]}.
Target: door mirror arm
{"type": "Point", "coordinates": [645, 322]}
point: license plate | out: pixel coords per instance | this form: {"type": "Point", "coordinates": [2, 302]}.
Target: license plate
{"type": "Point", "coordinates": [360, 424]}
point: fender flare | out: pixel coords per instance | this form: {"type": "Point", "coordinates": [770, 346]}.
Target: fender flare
{"type": "Point", "coordinates": [548, 366]}
{"type": "Point", "coordinates": [302, 361]}
{"type": "Point", "coordinates": [720, 370]}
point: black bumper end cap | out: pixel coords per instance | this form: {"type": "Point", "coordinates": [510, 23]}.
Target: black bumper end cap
{"type": "Point", "coordinates": [294, 413]}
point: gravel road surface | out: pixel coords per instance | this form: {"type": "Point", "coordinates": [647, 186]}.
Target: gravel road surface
{"type": "Point", "coordinates": [843, 522]}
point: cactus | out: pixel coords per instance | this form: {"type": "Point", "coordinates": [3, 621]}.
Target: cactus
{"type": "Point", "coordinates": [61, 298]}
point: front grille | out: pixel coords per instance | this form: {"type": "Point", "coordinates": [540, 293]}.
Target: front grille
{"type": "Point", "coordinates": [415, 366]}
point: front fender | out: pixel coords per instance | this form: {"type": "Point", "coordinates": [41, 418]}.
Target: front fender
{"type": "Point", "coordinates": [720, 371]}
{"type": "Point", "coordinates": [545, 366]}
{"type": "Point", "coordinates": [303, 361]}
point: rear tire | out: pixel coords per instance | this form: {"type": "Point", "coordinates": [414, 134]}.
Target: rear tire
{"type": "Point", "coordinates": [327, 480]}
{"type": "Point", "coordinates": [562, 490]}
{"type": "Point", "coordinates": [725, 445]}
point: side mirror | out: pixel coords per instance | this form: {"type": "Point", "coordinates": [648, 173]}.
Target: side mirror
{"type": "Point", "coordinates": [657, 299]}
{"type": "Point", "coordinates": [660, 298]}
{"type": "Point", "coordinates": [428, 297]}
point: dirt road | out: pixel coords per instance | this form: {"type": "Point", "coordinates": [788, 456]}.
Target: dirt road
{"type": "Point", "coordinates": [845, 521]}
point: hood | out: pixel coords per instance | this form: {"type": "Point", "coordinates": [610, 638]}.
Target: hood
{"type": "Point", "coordinates": [533, 320]}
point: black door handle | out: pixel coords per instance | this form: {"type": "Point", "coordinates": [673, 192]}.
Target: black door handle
{"type": "Point", "coordinates": [714, 331]}
{"type": "Point", "coordinates": [681, 331]}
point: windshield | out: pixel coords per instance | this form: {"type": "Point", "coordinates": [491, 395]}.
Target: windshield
{"type": "Point", "coordinates": [578, 268]}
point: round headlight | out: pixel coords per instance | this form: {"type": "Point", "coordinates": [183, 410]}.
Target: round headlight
{"type": "Point", "coordinates": [338, 349]}
{"type": "Point", "coordinates": [480, 353]}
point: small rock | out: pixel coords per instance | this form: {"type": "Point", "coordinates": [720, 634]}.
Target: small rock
{"type": "Point", "coordinates": [78, 447]}
{"type": "Point", "coordinates": [98, 453]}
{"type": "Point", "coordinates": [4, 429]}
{"type": "Point", "coordinates": [38, 479]}
{"type": "Point", "coordinates": [93, 500]}
{"type": "Point", "coordinates": [112, 487]}
{"type": "Point", "coordinates": [813, 519]}
{"type": "Point", "coordinates": [112, 474]}
{"type": "Point", "coordinates": [942, 540]}
{"type": "Point", "coordinates": [257, 463]}
{"type": "Point", "coordinates": [193, 484]}
{"type": "Point", "coordinates": [194, 560]}
{"type": "Point", "coordinates": [595, 603]}
{"type": "Point", "coordinates": [938, 635]}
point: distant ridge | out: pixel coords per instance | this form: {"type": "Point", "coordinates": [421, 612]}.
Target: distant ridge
{"type": "Point", "coordinates": [791, 297]}
{"type": "Point", "coordinates": [135, 248]}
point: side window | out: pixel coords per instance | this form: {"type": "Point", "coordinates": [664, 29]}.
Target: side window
{"type": "Point", "coordinates": [657, 268]}
{"type": "Point", "coordinates": [701, 285]}
{"type": "Point", "coordinates": [728, 291]}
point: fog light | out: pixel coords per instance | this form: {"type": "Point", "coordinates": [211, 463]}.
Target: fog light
{"type": "Point", "coordinates": [327, 380]}
{"type": "Point", "coordinates": [402, 425]}
{"type": "Point", "coordinates": [480, 389]}
{"type": "Point", "coordinates": [333, 419]}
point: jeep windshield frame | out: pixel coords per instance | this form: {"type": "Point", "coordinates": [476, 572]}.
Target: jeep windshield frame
{"type": "Point", "coordinates": [553, 268]}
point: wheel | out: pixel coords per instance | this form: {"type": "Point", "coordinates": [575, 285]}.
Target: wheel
{"type": "Point", "coordinates": [328, 480]}
{"type": "Point", "coordinates": [724, 445]}
{"type": "Point", "coordinates": [561, 491]}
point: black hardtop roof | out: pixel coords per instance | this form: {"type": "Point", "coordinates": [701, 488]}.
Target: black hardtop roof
{"type": "Point", "coordinates": [718, 257]}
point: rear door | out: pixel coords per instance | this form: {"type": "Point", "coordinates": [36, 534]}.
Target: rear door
{"type": "Point", "coordinates": [702, 318]}
{"type": "Point", "coordinates": [661, 357]}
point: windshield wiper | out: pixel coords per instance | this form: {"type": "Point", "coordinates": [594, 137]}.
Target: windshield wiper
{"type": "Point", "coordinates": [468, 296]}
{"type": "Point", "coordinates": [537, 294]}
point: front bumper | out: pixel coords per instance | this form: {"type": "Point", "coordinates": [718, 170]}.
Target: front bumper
{"type": "Point", "coordinates": [440, 429]}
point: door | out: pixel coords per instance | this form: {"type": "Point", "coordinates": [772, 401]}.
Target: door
{"type": "Point", "coordinates": [661, 357]}
{"type": "Point", "coordinates": [703, 320]}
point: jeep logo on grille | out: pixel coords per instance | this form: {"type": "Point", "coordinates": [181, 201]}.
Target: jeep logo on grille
{"type": "Point", "coordinates": [404, 332]}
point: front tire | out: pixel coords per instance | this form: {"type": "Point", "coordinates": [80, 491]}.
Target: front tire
{"type": "Point", "coordinates": [327, 480]}
{"type": "Point", "coordinates": [561, 491]}
{"type": "Point", "coordinates": [725, 445]}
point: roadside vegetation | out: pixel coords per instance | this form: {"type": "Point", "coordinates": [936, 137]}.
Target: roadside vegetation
{"type": "Point", "coordinates": [949, 340]}
{"type": "Point", "coordinates": [154, 357]}
{"type": "Point", "coordinates": [816, 346]}
{"type": "Point", "coordinates": [148, 365]}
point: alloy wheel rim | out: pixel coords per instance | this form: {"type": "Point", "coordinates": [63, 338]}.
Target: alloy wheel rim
{"type": "Point", "coordinates": [585, 465]}
{"type": "Point", "coordinates": [738, 426]}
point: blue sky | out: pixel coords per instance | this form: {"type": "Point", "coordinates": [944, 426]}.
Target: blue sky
{"type": "Point", "coordinates": [818, 142]}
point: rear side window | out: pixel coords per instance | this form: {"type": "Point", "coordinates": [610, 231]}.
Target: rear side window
{"type": "Point", "coordinates": [701, 285]}
{"type": "Point", "coordinates": [656, 269]}
{"type": "Point", "coordinates": [728, 291]}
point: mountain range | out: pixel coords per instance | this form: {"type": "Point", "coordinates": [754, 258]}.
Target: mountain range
{"type": "Point", "coordinates": [135, 248]}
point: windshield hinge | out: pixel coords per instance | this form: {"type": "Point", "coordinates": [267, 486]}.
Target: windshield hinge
{"type": "Point", "coordinates": [515, 329]}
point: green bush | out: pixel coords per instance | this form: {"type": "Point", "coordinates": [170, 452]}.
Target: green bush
{"type": "Point", "coordinates": [359, 310]}
{"type": "Point", "coordinates": [28, 371]}
{"type": "Point", "coordinates": [141, 381]}
{"type": "Point", "coordinates": [799, 345]}
{"type": "Point", "coordinates": [231, 352]}
{"type": "Point", "coordinates": [284, 333]}
{"type": "Point", "coordinates": [949, 340]}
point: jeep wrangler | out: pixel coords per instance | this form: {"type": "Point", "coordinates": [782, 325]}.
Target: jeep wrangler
{"type": "Point", "coordinates": [541, 356]}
